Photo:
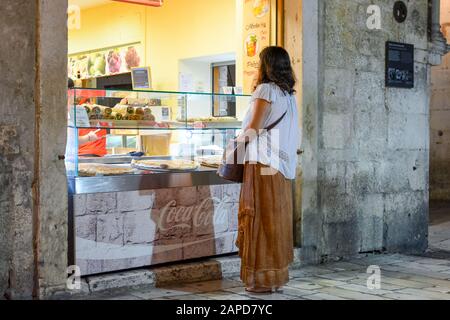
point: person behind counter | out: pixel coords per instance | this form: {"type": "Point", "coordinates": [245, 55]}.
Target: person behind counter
{"type": "Point", "coordinates": [265, 238]}
{"type": "Point", "coordinates": [91, 142]}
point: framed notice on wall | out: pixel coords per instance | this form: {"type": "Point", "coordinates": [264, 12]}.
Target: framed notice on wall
{"type": "Point", "coordinates": [259, 25]}
{"type": "Point", "coordinates": [399, 65]}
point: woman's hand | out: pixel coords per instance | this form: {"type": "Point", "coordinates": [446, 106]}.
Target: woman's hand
{"type": "Point", "coordinates": [90, 137]}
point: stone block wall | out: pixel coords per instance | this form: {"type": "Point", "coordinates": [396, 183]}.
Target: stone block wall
{"type": "Point", "coordinates": [125, 230]}
{"type": "Point", "coordinates": [440, 120]}
{"type": "Point", "coordinates": [369, 143]}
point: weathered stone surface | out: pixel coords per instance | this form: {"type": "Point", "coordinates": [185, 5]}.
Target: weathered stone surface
{"type": "Point", "coordinates": [167, 250]}
{"type": "Point", "coordinates": [101, 203]}
{"type": "Point", "coordinates": [110, 229]}
{"type": "Point", "coordinates": [135, 200]}
{"type": "Point", "coordinates": [165, 198]}
{"type": "Point", "coordinates": [186, 197]}
{"type": "Point", "coordinates": [233, 217]}
{"type": "Point", "coordinates": [86, 227]}
{"type": "Point", "coordinates": [114, 281]}
{"type": "Point", "coordinates": [196, 247]}
{"type": "Point", "coordinates": [365, 145]}
{"type": "Point", "coordinates": [224, 242]}
{"type": "Point", "coordinates": [79, 205]}
{"type": "Point", "coordinates": [231, 192]}
{"type": "Point", "coordinates": [139, 228]}
{"type": "Point", "coordinates": [406, 222]}
{"type": "Point", "coordinates": [205, 192]}
{"type": "Point", "coordinates": [337, 131]}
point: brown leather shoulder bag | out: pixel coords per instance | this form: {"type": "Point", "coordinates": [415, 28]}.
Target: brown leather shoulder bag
{"type": "Point", "coordinates": [234, 170]}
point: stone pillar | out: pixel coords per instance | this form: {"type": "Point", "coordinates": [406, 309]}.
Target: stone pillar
{"type": "Point", "coordinates": [33, 109]}
{"type": "Point", "coordinates": [366, 161]}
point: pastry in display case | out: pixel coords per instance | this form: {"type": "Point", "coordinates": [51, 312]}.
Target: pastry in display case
{"type": "Point", "coordinates": [171, 131]}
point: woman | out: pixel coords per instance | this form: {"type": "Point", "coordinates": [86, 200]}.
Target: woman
{"type": "Point", "coordinates": [265, 238]}
{"type": "Point", "coordinates": [91, 142]}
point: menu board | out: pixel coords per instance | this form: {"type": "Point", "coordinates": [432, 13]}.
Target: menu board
{"type": "Point", "coordinates": [257, 36]}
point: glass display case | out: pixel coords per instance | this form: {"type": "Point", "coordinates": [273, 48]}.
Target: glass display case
{"type": "Point", "coordinates": [138, 140]}
{"type": "Point", "coordinates": [143, 188]}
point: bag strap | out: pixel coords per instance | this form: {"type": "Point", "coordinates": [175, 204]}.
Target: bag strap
{"type": "Point", "coordinates": [273, 125]}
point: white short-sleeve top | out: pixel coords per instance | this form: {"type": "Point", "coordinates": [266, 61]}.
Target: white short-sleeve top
{"type": "Point", "coordinates": [278, 147]}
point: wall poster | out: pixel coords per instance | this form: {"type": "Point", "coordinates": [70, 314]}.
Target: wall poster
{"type": "Point", "coordinates": [258, 27]}
{"type": "Point", "coordinates": [106, 61]}
{"type": "Point", "coordinates": [399, 65]}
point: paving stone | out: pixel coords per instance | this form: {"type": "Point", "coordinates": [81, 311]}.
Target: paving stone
{"type": "Point", "coordinates": [293, 274]}
{"type": "Point", "coordinates": [124, 298]}
{"type": "Point", "coordinates": [415, 271]}
{"type": "Point", "coordinates": [342, 276]}
{"type": "Point", "coordinates": [440, 289]}
{"type": "Point", "coordinates": [189, 297]}
{"type": "Point", "coordinates": [323, 296]}
{"type": "Point", "coordinates": [345, 266]}
{"type": "Point", "coordinates": [323, 282]}
{"type": "Point", "coordinates": [305, 285]}
{"type": "Point", "coordinates": [410, 280]}
{"type": "Point", "coordinates": [274, 296]}
{"type": "Point", "coordinates": [216, 285]}
{"type": "Point", "coordinates": [297, 292]}
{"type": "Point", "coordinates": [403, 296]}
{"type": "Point", "coordinates": [233, 296]}
{"type": "Point", "coordinates": [403, 283]}
{"type": "Point", "coordinates": [425, 294]}
{"type": "Point", "coordinates": [422, 266]}
{"type": "Point", "coordinates": [384, 285]}
{"type": "Point", "coordinates": [433, 261]}
{"type": "Point", "coordinates": [157, 292]}
{"type": "Point", "coordinates": [316, 270]}
{"type": "Point", "coordinates": [363, 289]}
{"type": "Point", "coordinates": [353, 295]}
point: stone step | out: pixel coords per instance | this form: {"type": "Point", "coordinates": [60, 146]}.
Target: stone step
{"type": "Point", "coordinates": [182, 273]}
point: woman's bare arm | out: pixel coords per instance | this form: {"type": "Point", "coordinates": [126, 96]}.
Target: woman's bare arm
{"type": "Point", "coordinates": [259, 111]}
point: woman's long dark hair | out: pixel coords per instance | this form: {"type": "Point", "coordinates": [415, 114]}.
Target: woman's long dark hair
{"type": "Point", "coordinates": [276, 67]}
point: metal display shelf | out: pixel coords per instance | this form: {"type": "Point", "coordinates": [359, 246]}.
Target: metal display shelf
{"type": "Point", "coordinates": [163, 180]}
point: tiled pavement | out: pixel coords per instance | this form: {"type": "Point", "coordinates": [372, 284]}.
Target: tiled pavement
{"type": "Point", "coordinates": [402, 278]}
{"type": "Point", "coordinates": [439, 231]}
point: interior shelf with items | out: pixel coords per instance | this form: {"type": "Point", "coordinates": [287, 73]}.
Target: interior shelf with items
{"type": "Point", "coordinates": [120, 132]}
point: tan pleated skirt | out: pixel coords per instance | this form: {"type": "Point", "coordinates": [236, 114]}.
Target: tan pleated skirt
{"type": "Point", "coordinates": [265, 238]}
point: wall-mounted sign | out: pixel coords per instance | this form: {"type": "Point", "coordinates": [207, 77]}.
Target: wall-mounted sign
{"type": "Point", "coordinates": [257, 36]}
{"type": "Point", "coordinates": [399, 65]}
{"type": "Point", "coordinates": [400, 11]}
{"type": "Point", "coordinates": [141, 78]}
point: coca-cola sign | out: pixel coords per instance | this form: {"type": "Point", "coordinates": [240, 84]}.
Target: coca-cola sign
{"type": "Point", "coordinates": [152, 3]}
{"type": "Point", "coordinates": [210, 212]}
